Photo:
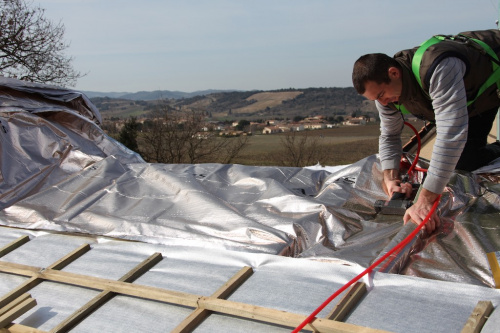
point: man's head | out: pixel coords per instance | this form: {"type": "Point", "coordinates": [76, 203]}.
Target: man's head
{"type": "Point", "coordinates": [378, 77]}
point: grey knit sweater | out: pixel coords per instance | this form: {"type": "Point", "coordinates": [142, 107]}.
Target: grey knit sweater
{"type": "Point", "coordinates": [450, 107]}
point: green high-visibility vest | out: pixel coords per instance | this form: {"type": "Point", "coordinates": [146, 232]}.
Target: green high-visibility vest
{"type": "Point", "coordinates": [480, 45]}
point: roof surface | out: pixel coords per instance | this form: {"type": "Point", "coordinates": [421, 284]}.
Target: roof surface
{"type": "Point", "coordinates": [284, 238]}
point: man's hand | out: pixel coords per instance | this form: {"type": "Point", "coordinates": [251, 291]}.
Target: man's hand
{"type": "Point", "coordinates": [420, 209]}
{"type": "Point", "coordinates": [392, 183]}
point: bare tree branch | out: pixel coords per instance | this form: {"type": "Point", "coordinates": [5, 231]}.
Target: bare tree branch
{"type": "Point", "coordinates": [173, 137]}
{"type": "Point", "coordinates": [301, 149]}
{"type": "Point", "coordinates": [31, 47]}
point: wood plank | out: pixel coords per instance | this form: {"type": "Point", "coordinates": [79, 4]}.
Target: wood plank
{"type": "Point", "coordinates": [142, 268]}
{"type": "Point", "coordinates": [70, 257]}
{"type": "Point", "coordinates": [174, 297]}
{"type": "Point", "coordinates": [478, 317]}
{"type": "Point", "coordinates": [495, 268]}
{"type": "Point", "coordinates": [17, 328]}
{"type": "Point", "coordinates": [14, 245]}
{"type": "Point", "coordinates": [192, 321]}
{"type": "Point", "coordinates": [233, 283]}
{"type": "Point", "coordinates": [280, 317]}
{"type": "Point", "coordinates": [105, 296]}
{"type": "Point", "coordinates": [18, 292]}
{"type": "Point", "coordinates": [348, 302]}
{"type": "Point", "coordinates": [197, 316]}
{"type": "Point", "coordinates": [34, 281]}
{"type": "Point", "coordinates": [91, 282]}
{"type": "Point", "coordinates": [17, 311]}
{"type": "Point", "coordinates": [14, 303]}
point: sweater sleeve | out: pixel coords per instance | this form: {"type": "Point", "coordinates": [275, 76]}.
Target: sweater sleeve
{"type": "Point", "coordinates": [391, 126]}
{"type": "Point", "coordinates": [449, 101]}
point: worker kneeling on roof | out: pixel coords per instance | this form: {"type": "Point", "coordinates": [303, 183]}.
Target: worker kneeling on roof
{"type": "Point", "coordinates": [453, 81]}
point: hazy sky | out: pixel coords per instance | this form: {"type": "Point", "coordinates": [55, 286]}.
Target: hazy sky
{"type": "Point", "coordinates": [187, 45]}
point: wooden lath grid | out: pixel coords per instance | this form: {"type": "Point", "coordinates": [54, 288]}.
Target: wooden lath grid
{"type": "Point", "coordinates": [18, 301]}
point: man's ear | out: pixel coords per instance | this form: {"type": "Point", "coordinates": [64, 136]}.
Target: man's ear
{"type": "Point", "coordinates": [394, 72]}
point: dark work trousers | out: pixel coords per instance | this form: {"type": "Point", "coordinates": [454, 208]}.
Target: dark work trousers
{"type": "Point", "coordinates": [477, 152]}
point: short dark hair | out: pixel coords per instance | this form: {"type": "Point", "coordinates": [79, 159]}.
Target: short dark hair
{"type": "Point", "coordinates": [372, 67]}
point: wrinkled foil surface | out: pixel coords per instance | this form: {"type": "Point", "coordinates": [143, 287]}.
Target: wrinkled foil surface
{"type": "Point", "coordinates": [61, 172]}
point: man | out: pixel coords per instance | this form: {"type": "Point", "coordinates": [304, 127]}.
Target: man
{"type": "Point", "coordinates": [451, 72]}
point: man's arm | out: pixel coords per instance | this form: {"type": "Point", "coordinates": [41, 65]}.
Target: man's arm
{"type": "Point", "coordinates": [449, 101]}
{"type": "Point", "coordinates": [390, 147]}
{"type": "Point", "coordinates": [450, 107]}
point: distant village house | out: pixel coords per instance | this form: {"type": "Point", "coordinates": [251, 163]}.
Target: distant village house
{"type": "Point", "coordinates": [355, 121]}
{"type": "Point", "coordinates": [271, 130]}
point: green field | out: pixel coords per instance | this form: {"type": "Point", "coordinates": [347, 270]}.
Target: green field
{"type": "Point", "coordinates": [346, 144]}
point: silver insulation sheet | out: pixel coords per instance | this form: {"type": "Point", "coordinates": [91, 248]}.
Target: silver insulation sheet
{"type": "Point", "coordinates": [61, 172]}
{"type": "Point", "coordinates": [394, 303]}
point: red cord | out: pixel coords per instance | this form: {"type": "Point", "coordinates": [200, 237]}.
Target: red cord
{"type": "Point", "coordinates": [399, 246]}
{"type": "Point", "coordinates": [420, 169]}
{"type": "Point", "coordinates": [419, 145]}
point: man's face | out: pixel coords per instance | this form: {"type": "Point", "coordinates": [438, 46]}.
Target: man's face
{"type": "Point", "coordinates": [385, 93]}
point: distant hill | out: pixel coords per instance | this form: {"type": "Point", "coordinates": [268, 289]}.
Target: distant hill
{"type": "Point", "coordinates": [280, 103]}
{"type": "Point", "coordinates": [284, 103]}
{"type": "Point", "coordinates": [152, 95]}
{"type": "Point", "coordinates": [93, 94]}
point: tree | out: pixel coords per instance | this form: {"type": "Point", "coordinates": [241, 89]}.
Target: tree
{"type": "Point", "coordinates": [32, 47]}
{"type": "Point", "coordinates": [300, 149]}
{"type": "Point", "coordinates": [128, 134]}
{"type": "Point", "coordinates": [242, 125]}
{"type": "Point", "coordinates": [174, 137]}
